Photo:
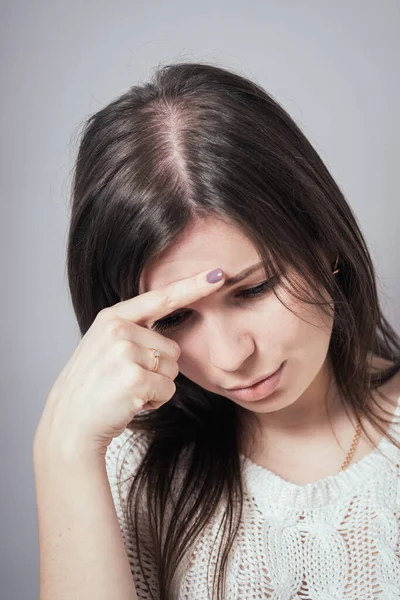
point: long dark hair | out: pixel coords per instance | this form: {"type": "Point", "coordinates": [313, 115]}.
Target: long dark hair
{"type": "Point", "coordinates": [199, 140]}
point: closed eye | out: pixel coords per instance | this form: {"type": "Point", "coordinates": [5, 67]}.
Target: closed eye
{"type": "Point", "coordinates": [175, 320]}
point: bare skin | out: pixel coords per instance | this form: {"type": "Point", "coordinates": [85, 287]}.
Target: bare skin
{"type": "Point", "coordinates": [321, 452]}
{"type": "Point", "coordinates": [106, 382]}
{"type": "Point", "coordinates": [227, 341]}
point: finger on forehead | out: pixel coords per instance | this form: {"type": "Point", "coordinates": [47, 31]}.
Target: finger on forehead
{"type": "Point", "coordinates": [150, 306]}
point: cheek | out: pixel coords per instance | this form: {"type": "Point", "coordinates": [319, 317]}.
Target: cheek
{"type": "Point", "coordinates": [311, 333]}
{"type": "Point", "coordinates": [296, 324]}
{"type": "Point", "coordinates": [296, 329]}
{"type": "Point", "coordinates": [273, 324]}
{"type": "Point", "coordinates": [191, 361]}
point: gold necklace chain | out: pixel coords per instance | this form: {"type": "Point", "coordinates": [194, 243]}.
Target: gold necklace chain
{"type": "Point", "coordinates": [352, 448]}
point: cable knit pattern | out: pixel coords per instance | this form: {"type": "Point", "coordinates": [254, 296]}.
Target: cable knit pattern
{"type": "Point", "coordinates": [335, 539]}
{"type": "Point", "coordinates": [123, 457]}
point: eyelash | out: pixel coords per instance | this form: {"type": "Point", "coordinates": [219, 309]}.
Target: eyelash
{"type": "Point", "coordinates": [176, 320]}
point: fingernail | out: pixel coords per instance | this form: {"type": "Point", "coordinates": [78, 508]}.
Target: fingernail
{"type": "Point", "coordinates": [215, 275]}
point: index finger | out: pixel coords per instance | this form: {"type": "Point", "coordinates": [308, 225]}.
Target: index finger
{"type": "Point", "coordinates": [156, 304]}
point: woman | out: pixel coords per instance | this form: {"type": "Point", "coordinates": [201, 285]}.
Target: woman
{"type": "Point", "coordinates": [285, 489]}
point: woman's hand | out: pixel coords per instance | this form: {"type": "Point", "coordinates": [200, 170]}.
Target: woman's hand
{"type": "Point", "coordinates": [109, 377]}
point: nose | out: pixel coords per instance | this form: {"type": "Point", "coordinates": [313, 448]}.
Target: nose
{"type": "Point", "coordinates": [229, 348]}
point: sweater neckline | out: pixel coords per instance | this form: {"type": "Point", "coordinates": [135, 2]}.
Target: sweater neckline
{"type": "Point", "coordinates": [268, 487]}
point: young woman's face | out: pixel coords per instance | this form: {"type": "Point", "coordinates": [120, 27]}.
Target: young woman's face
{"type": "Point", "coordinates": [230, 340]}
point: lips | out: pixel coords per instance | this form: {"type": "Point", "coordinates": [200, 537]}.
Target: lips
{"type": "Point", "coordinates": [259, 390]}
{"type": "Point", "coordinates": [243, 387]}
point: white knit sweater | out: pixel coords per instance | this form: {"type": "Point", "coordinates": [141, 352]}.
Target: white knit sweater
{"type": "Point", "coordinates": [335, 539]}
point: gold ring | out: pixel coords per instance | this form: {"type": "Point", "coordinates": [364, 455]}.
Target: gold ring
{"type": "Point", "coordinates": [157, 355]}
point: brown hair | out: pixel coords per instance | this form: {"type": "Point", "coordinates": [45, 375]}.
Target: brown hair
{"type": "Point", "coordinates": [195, 141]}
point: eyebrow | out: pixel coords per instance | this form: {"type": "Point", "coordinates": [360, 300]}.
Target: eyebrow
{"type": "Point", "coordinates": [233, 280]}
{"type": "Point", "coordinates": [242, 275]}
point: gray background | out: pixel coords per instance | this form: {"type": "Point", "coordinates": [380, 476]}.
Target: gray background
{"type": "Point", "coordinates": [333, 65]}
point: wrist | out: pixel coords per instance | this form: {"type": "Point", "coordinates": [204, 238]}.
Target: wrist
{"type": "Point", "coordinates": [66, 450]}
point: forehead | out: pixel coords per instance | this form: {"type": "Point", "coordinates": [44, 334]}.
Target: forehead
{"type": "Point", "coordinates": [206, 244]}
